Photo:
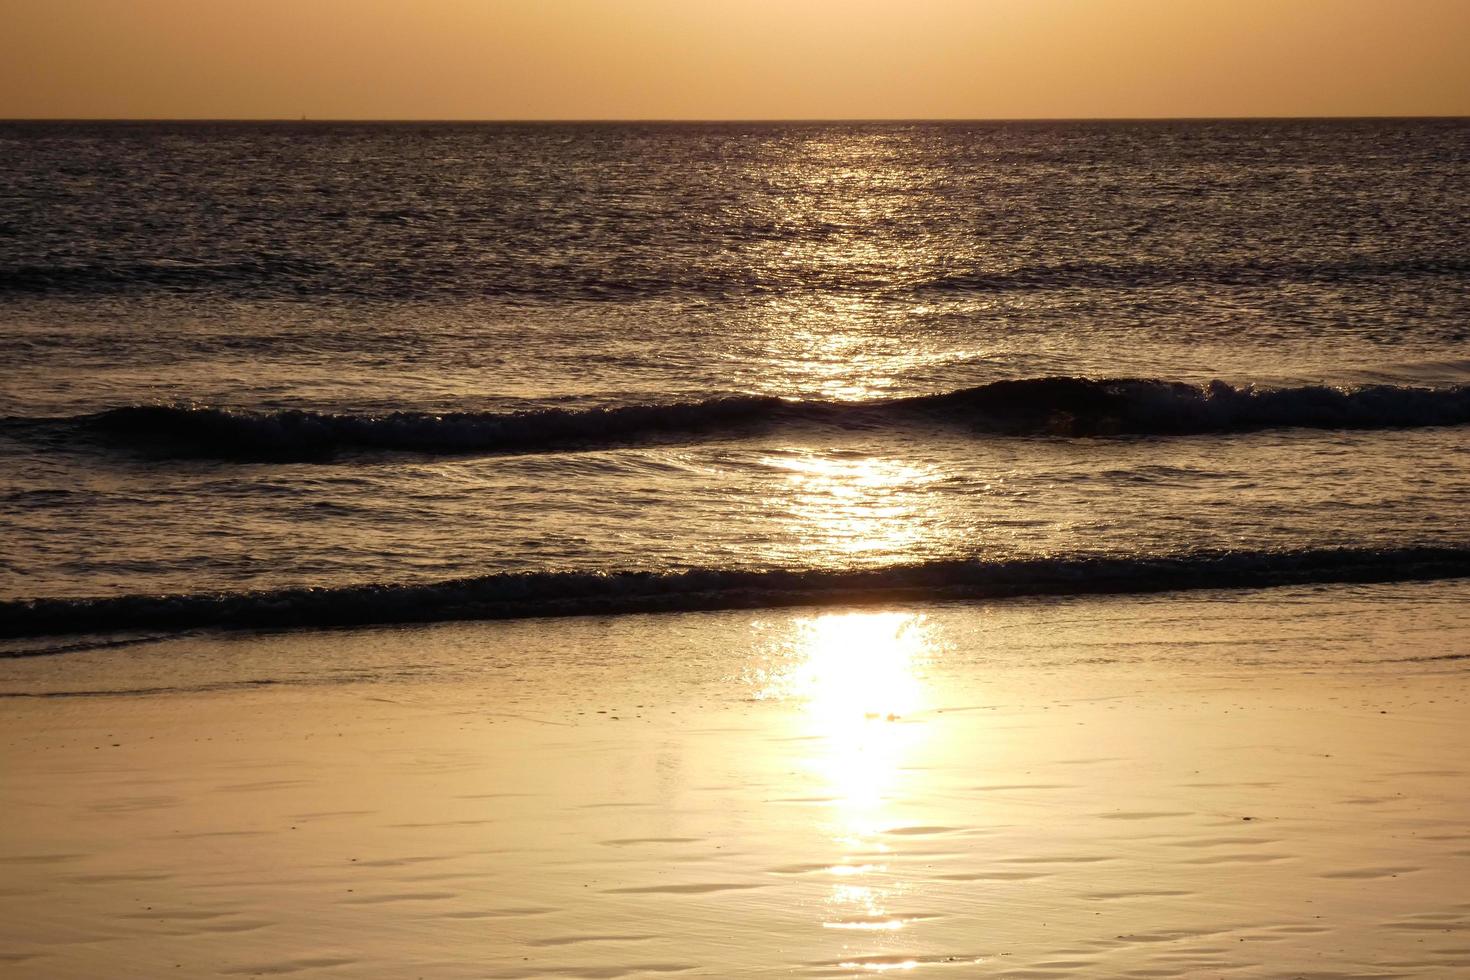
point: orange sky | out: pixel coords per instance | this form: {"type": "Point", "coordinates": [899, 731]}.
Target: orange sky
{"type": "Point", "coordinates": [721, 59]}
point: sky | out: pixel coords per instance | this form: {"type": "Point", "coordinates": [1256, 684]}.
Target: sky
{"type": "Point", "coordinates": [732, 59]}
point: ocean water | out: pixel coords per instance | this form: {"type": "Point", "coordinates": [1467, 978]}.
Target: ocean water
{"type": "Point", "coordinates": [300, 374]}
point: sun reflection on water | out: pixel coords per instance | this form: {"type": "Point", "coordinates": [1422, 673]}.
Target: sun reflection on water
{"type": "Point", "coordinates": [857, 667]}
{"type": "Point", "coordinates": [855, 508]}
{"type": "Point", "coordinates": [858, 678]}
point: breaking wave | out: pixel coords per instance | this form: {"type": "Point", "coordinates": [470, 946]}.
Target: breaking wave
{"type": "Point", "coordinates": [537, 594]}
{"type": "Point", "coordinates": [1037, 406]}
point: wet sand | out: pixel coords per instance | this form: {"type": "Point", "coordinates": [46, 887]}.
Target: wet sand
{"type": "Point", "coordinates": [1264, 785]}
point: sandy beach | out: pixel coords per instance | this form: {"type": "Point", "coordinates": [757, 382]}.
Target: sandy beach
{"type": "Point", "coordinates": [1247, 785]}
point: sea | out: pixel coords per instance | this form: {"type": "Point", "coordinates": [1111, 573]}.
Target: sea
{"type": "Point", "coordinates": [300, 374]}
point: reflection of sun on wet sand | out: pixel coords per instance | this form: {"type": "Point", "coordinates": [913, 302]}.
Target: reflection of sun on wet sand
{"type": "Point", "coordinates": [1259, 786]}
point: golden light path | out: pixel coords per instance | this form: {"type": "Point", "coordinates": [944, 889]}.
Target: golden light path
{"type": "Point", "coordinates": [855, 508]}
{"type": "Point", "coordinates": [857, 676]}
{"type": "Point", "coordinates": [858, 679]}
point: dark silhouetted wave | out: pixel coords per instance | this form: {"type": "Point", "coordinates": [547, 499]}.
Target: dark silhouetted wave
{"type": "Point", "coordinates": [1038, 406]}
{"type": "Point", "coordinates": [285, 273]}
{"type": "Point", "coordinates": [263, 272]}
{"type": "Point", "coordinates": [535, 594]}
{"type": "Point", "coordinates": [1135, 275]}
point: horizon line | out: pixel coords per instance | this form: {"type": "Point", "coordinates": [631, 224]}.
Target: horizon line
{"type": "Point", "coordinates": [692, 120]}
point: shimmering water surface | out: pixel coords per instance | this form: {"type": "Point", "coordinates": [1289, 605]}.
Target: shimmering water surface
{"type": "Point", "coordinates": [244, 357]}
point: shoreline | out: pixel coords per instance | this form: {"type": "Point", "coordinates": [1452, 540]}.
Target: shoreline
{"type": "Point", "coordinates": [1166, 786]}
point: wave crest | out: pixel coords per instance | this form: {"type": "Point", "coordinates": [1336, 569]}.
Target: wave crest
{"type": "Point", "coordinates": [1052, 406]}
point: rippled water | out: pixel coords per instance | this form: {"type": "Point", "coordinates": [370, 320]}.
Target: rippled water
{"type": "Point", "coordinates": [402, 354]}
